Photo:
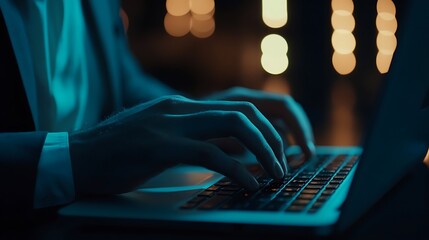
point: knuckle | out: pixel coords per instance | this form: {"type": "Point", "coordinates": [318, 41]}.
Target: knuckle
{"type": "Point", "coordinates": [169, 102]}
{"type": "Point", "coordinates": [237, 118]}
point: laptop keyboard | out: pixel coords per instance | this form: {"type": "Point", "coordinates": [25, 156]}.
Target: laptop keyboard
{"type": "Point", "coordinates": [304, 189]}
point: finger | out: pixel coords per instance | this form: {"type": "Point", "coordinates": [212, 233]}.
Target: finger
{"type": "Point", "coordinates": [286, 108]}
{"type": "Point", "coordinates": [220, 124]}
{"type": "Point", "coordinates": [275, 141]}
{"type": "Point", "coordinates": [300, 127]}
{"type": "Point", "coordinates": [211, 157]}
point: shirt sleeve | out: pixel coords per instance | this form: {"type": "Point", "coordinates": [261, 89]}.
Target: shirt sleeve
{"type": "Point", "coordinates": [54, 181]}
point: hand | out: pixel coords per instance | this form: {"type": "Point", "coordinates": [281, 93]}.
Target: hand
{"type": "Point", "coordinates": [280, 109]}
{"type": "Point", "coordinates": [122, 152]}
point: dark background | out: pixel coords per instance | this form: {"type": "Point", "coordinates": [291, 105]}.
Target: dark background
{"type": "Point", "coordinates": [338, 106]}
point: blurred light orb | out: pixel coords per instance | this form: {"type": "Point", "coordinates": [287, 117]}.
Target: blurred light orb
{"type": "Point", "coordinates": [274, 44]}
{"type": "Point", "coordinates": [203, 17]}
{"type": "Point", "coordinates": [202, 28]}
{"type": "Point", "coordinates": [177, 26]}
{"type": "Point", "coordinates": [202, 7]}
{"type": "Point", "coordinates": [343, 22]}
{"type": "Point", "coordinates": [274, 64]}
{"type": "Point", "coordinates": [177, 7]}
{"type": "Point", "coordinates": [274, 13]}
{"type": "Point", "coordinates": [386, 9]}
{"type": "Point", "coordinates": [343, 41]}
{"type": "Point", "coordinates": [342, 6]}
{"type": "Point", "coordinates": [386, 44]}
{"type": "Point", "coordinates": [343, 63]}
{"type": "Point", "coordinates": [386, 27]}
{"type": "Point", "coordinates": [383, 62]}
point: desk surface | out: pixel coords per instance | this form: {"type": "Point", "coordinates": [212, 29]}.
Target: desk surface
{"type": "Point", "coordinates": [403, 213]}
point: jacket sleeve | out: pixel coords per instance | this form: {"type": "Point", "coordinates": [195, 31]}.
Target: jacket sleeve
{"type": "Point", "coordinates": [19, 157]}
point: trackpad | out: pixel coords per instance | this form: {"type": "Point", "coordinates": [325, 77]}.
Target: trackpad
{"type": "Point", "coordinates": [181, 178]}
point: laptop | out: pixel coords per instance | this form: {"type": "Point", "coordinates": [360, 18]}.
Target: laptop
{"type": "Point", "coordinates": [325, 195]}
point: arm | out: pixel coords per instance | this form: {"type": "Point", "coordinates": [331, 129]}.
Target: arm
{"type": "Point", "coordinates": [19, 158]}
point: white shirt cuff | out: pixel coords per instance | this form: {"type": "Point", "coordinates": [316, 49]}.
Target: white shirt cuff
{"type": "Point", "coordinates": [54, 181]}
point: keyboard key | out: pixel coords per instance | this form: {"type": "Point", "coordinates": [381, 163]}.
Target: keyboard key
{"type": "Point", "coordinates": [295, 208]}
{"type": "Point", "coordinates": [327, 192]}
{"type": "Point", "coordinates": [273, 206]}
{"type": "Point", "coordinates": [287, 194]}
{"type": "Point", "coordinates": [310, 191]}
{"type": "Point", "coordinates": [318, 178]}
{"type": "Point", "coordinates": [305, 196]}
{"type": "Point", "coordinates": [300, 202]}
{"type": "Point", "coordinates": [193, 202]}
{"type": "Point", "coordinates": [291, 189]}
{"type": "Point", "coordinates": [332, 186]}
{"type": "Point", "coordinates": [336, 181]}
{"type": "Point", "coordinates": [206, 194]}
{"type": "Point", "coordinates": [213, 188]}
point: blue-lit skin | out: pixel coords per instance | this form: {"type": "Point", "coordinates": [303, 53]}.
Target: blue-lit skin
{"type": "Point", "coordinates": [150, 137]}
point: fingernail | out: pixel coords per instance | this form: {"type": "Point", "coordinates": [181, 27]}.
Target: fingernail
{"type": "Point", "coordinates": [278, 171]}
{"type": "Point", "coordinates": [311, 147]}
{"type": "Point", "coordinates": [285, 165]}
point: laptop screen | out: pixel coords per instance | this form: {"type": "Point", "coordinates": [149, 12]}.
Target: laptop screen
{"type": "Point", "coordinates": [398, 137]}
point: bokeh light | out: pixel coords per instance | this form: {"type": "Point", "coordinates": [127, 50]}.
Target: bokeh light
{"type": "Point", "coordinates": [195, 16]}
{"type": "Point", "coordinates": [387, 25]}
{"type": "Point", "coordinates": [342, 7]}
{"type": "Point", "coordinates": [274, 64]}
{"type": "Point", "coordinates": [383, 62]}
{"type": "Point", "coordinates": [344, 63]}
{"type": "Point", "coordinates": [202, 7]}
{"type": "Point", "coordinates": [386, 9]}
{"type": "Point", "coordinates": [343, 22]}
{"type": "Point", "coordinates": [202, 28]}
{"type": "Point", "coordinates": [274, 44]}
{"type": "Point", "coordinates": [274, 13]}
{"type": "Point", "coordinates": [343, 41]}
{"type": "Point", "coordinates": [177, 26]}
{"type": "Point", "coordinates": [386, 44]}
{"type": "Point", "coordinates": [274, 58]}
{"type": "Point", "coordinates": [177, 7]}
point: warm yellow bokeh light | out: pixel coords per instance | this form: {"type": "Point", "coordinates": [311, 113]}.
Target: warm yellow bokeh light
{"type": "Point", "coordinates": [274, 64]}
{"type": "Point", "coordinates": [202, 28]}
{"type": "Point", "coordinates": [203, 17]}
{"type": "Point", "coordinates": [383, 62]}
{"type": "Point", "coordinates": [342, 6]}
{"type": "Point", "coordinates": [386, 9]}
{"type": "Point", "coordinates": [274, 44]}
{"type": "Point", "coordinates": [344, 63]}
{"type": "Point", "coordinates": [343, 22]}
{"type": "Point", "coordinates": [274, 13]}
{"type": "Point", "coordinates": [177, 26]}
{"type": "Point", "coordinates": [343, 41]}
{"type": "Point", "coordinates": [202, 7]}
{"type": "Point", "coordinates": [177, 7]}
{"type": "Point", "coordinates": [386, 27]}
{"type": "Point", "coordinates": [386, 43]}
